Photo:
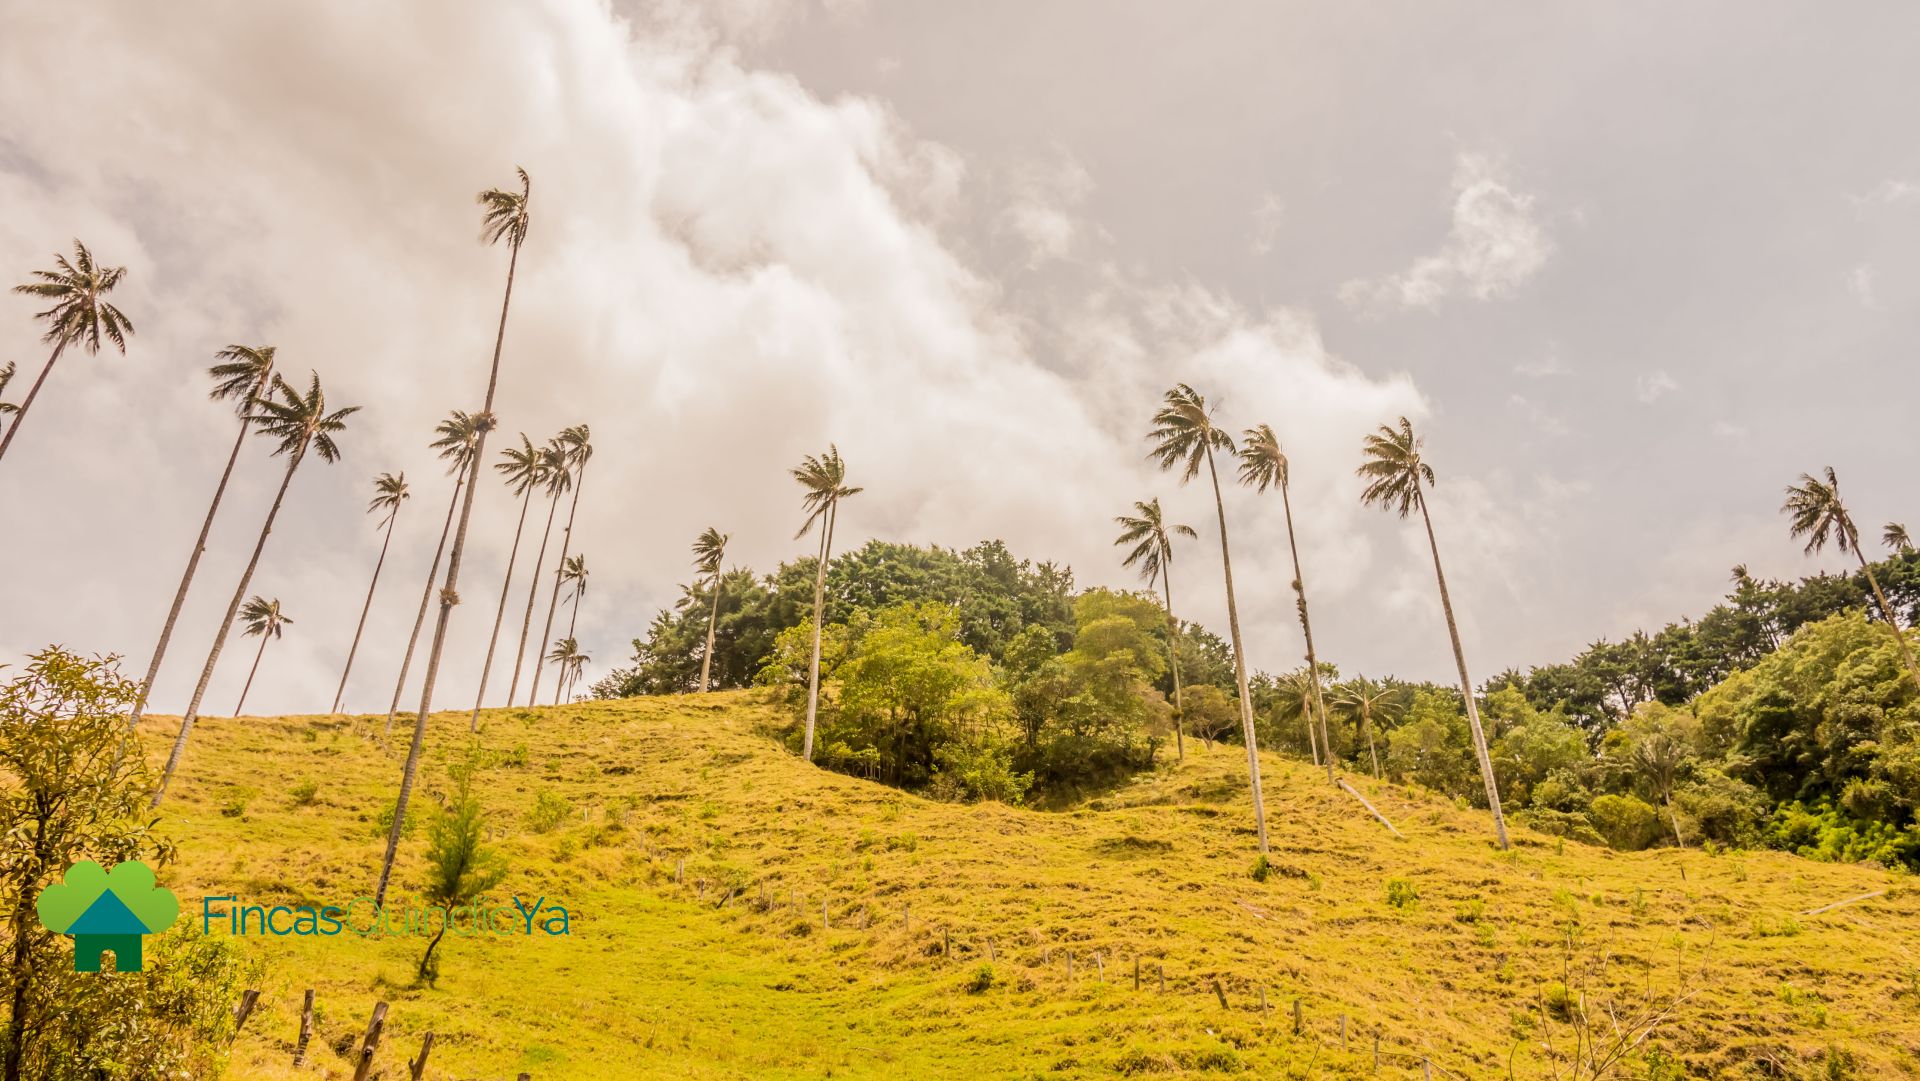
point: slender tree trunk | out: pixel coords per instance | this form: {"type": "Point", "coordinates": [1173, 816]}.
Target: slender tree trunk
{"type": "Point", "coordinates": [1674, 819]}
{"type": "Point", "coordinates": [819, 601]}
{"type": "Point", "coordinates": [500, 613]}
{"type": "Point", "coordinates": [22, 963]}
{"type": "Point", "coordinates": [33, 392]}
{"type": "Point", "coordinates": [248, 685]}
{"type": "Point", "coordinates": [449, 596]}
{"type": "Point", "coordinates": [1466, 685]}
{"type": "Point", "coordinates": [1173, 656]}
{"type": "Point", "coordinates": [1240, 665]}
{"type": "Point", "coordinates": [553, 602]}
{"type": "Point", "coordinates": [533, 596]}
{"type": "Point", "coordinates": [220, 638]}
{"type": "Point", "coordinates": [426, 598]}
{"type": "Point", "coordinates": [1306, 715]}
{"type": "Point", "coordinates": [193, 564]}
{"type": "Point", "coordinates": [1306, 628]}
{"type": "Point", "coordinates": [427, 959]}
{"type": "Point", "coordinates": [713, 619]}
{"type": "Point", "coordinates": [570, 672]}
{"type": "Point", "coordinates": [1886, 611]}
{"type": "Point", "coordinates": [361, 626]}
{"type": "Point", "coordinates": [1366, 719]}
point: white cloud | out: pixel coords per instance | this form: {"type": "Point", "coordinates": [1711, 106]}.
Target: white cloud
{"type": "Point", "coordinates": [1041, 211]}
{"type": "Point", "coordinates": [1651, 386]}
{"type": "Point", "coordinates": [1493, 247]}
{"type": "Point", "coordinates": [1889, 193]}
{"type": "Point", "coordinates": [1267, 218]}
{"type": "Point", "coordinates": [1860, 283]}
{"type": "Point", "coordinates": [1543, 368]}
{"type": "Point", "coordinates": [1726, 429]}
{"type": "Point", "coordinates": [1537, 415]}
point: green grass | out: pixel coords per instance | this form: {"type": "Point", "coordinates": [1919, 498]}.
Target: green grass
{"type": "Point", "coordinates": [598, 803]}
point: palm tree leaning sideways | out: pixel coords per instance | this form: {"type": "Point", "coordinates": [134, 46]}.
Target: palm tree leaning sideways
{"type": "Point", "coordinates": [1894, 535]}
{"type": "Point", "coordinates": [1814, 511]}
{"type": "Point", "coordinates": [562, 655]}
{"type": "Point", "coordinates": [574, 572]}
{"type": "Point", "coordinates": [1364, 700]}
{"type": "Point", "coordinates": [1152, 555]}
{"type": "Point", "coordinates": [824, 478]}
{"type": "Point", "coordinates": [576, 445]}
{"type": "Point", "coordinates": [298, 424]}
{"type": "Point", "coordinates": [80, 315]}
{"type": "Point", "coordinates": [556, 479]}
{"type": "Point", "coordinates": [242, 378]}
{"type": "Point", "coordinates": [389, 491]}
{"type": "Point", "coordinates": [458, 435]}
{"type": "Point", "coordinates": [1184, 436]}
{"type": "Point", "coordinates": [1264, 465]}
{"type": "Point", "coordinates": [1396, 477]}
{"type": "Point", "coordinates": [524, 468]}
{"type": "Point", "coordinates": [505, 216]}
{"type": "Point", "coordinates": [709, 553]}
{"type": "Point", "coordinates": [264, 620]}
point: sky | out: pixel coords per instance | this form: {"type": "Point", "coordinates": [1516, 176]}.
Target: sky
{"type": "Point", "coordinates": [1629, 270]}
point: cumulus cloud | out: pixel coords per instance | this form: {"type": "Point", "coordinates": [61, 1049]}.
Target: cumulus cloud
{"type": "Point", "coordinates": [725, 272]}
{"type": "Point", "coordinates": [1267, 218]}
{"type": "Point", "coordinates": [1860, 283]}
{"type": "Point", "coordinates": [1041, 210]}
{"type": "Point", "coordinates": [1493, 247]}
{"type": "Point", "coordinates": [1651, 386]}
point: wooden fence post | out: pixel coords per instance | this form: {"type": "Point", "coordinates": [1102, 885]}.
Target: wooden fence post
{"type": "Point", "coordinates": [1102, 963]}
{"type": "Point", "coordinates": [1220, 993]}
{"type": "Point", "coordinates": [1376, 1049]}
{"type": "Point", "coordinates": [906, 916]}
{"type": "Point", "coordinates": [1136, 973]}
{"type": "Point", "coordinates": [990, 948]}
{"type": "Point", "coordinates": [1343, 1032]}
{"type": "Point", "coordinates": [1161, 969]}
{"type": "Point", "coordinates": [1426, 1068]}
{"type": "Point", "coordinates": [306, 1030]}
{"type": "Point", "coordinates": [946, 942]}
{"type": "Point", "coordinates": [825, 925]}
{"type": "Point", "coordinates": [1296, 1017]}
{"type": "Point", "coordinates": [370, 1042]}
{"type": "Point", "coordinates": [1263, 999]}
{"type": "Point", "coordinates": [1069, 964]}
{"type": "Point", "coordinates": [248, 999]}
{"type": "Point", "coordinates": [680, 870]}
{"type": "Point", "coordinates": [419, 1066]}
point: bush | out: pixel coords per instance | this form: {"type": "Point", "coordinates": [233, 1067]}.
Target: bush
{"type": "Point", "coordinates": [549, 810]}
{"type": "Point", "coordinates": [305, 792]}
{"type": "Point", "coordinates": [1628, 823]}
{"type": "Point", "coordinates": [1825, 832]}
{"type": "Point", "coordinates": [1261, 869]}
{"type": "Point", "coordinates": [233, 802]}
{"type": "Point", "coordinates": [1569, 824]}
{"type": "Point", "coordinates": [1402, 894]}
{"type": "Point", "coordinates": [981, 980]}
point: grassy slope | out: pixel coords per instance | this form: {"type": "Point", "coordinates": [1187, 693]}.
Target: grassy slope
{"type": "Point", "coordinates": [655, 983]}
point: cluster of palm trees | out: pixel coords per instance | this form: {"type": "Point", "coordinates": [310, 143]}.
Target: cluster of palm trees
{"type": "Point", "coordinates": [1815, 511]}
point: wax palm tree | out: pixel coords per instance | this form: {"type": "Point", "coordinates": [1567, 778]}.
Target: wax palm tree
{"type": "Point", "coordinates": [505, 216]}
{"type": "Point", "coordinates": [575, 444]}
{"type": "Point", "coordinates": [575, 572]}
{"type": "Point", "coordinates": [389, 491]}
{"type": "Point", "coordinates": [80, 316]}
{"type": "Point", "coordinates": [459, 441]}
{"type": "Point", "coordinates": [1814, 511]}
{"type": "Point", "coordinates": [7, 408]}
{"type": "Point", "coordinates": [824, 478]}
{"type": "Point", "coordinates": [1296, 702]}
{"type": "Point", "coordinates": [565, 651]}
{"type": "Point", "coordinates": [557, 479]}
{"type": "Point", "coordinates": [1396, 477]}
{"type": "Point", "coordinates": [1152, 555]}
{"type": "Point", "coordinates": [709, 553]}
{"type": "Point", "coordinates": [1264, 465]}
{"type": "Point", "coordinates": [1894, 535]}
{"type": "Point", "coordinates": [241, 377]}
{"type": "Point", "coordinates": [1185, 437]}
{"type": "Point", "coordinates": [1363, 700]}
{"type": "Point", "coordinates": [299, 424]}
{"type": "Point", "coordinates": [264, 620]}
{"type": "Point", "coordinates": [524, 468]}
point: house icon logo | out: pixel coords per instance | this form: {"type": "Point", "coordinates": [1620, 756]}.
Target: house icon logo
{"type": "Point", "coordinates": [107, 910]}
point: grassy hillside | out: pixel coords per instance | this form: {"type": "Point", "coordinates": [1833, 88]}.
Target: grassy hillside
{"type": "Point", "coordinates": [658, 979]}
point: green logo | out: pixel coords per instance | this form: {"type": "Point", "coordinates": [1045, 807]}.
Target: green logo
{"type": "Point", "coordinates": [107, 910]}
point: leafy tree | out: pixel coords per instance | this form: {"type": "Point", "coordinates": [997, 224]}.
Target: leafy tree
{"type": "Point", "coordinates": [264, 620]}
{"type": "Point", "coordinates": [1814, 510]}
{"type": "Point", "coordinates": [1432, 744]}
{"type": "Point", "coordinates": [461, 868]}
{"type": "Point", "coordinates": [524, 469]}
{"type": "Point", "coordinates": [709, 555]}
{"type": "Point", "coordinates": [1396, 477]}
{"type": "Point", "coordinates": [576, 446]}
{"type": "Point", "coordinates": [80, 316]}
{"type": "Point", "coordinates": [558, 480]}
{"type": "Point", "coordinates": [241, 377]}
{"type": "Point", "coordinates": [389, 491]}
{"type": "Point", "coordinates": [505, 216]}
{"type": "Point", "coordinates": [72, 795]}
{"type": "Point", "coordinates": [1362, 700]}
{"type": "Point", "coordinates": [824, 479]}
{"type": "Point", "coordinates": [298, 424]}
{"type": "Point", "coordinates": [1531, 745]}
{"type": "Point", "coordinates": [1184, 436]}
{"type": "Point", "coordinates": [1152, 554]}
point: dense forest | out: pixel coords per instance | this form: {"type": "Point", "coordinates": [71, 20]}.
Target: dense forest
{"type": "Point", "coordinates": [1780, 717]}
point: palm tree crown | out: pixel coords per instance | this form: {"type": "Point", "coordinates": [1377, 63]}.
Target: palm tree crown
{"type": "Point", "coordinates": [264, 617]}
{"type": "Point", "coordinates": [242, 375]}
{"type": "Point", "coordinates": [824, 478]}
{"type": "Point", "coordinates": [574, 570]}
{"type": "Point", "coordinates": [1262, 463]}
{"type": "Point", "coordinates": [1894, 536]}
{"type": "Point", "coordinates": [709, 551]}
{"type": "Point", "coordinates": [524, 466]}
{"type": "Point", "coordinates": [6, 376]}
{"type": "Point", "coordinates": [459, 434]}
{"type": "Point", "coordinates": [80, 315]}
{"type": "Point", "coordinates": [1393, 470]}
{"type": "Point", "coordinates": [504, 214]}
{"type": "Point", "coordinates": [1151, 537]}
{"type": "Point", "coordinates": [1184, 432]}
{"type": "Point", "coordinates": [389, 491]}
{"type": "Point", "coordinates": [300, 421]}
{"type": "Point", "coordinates": [1814, 511]}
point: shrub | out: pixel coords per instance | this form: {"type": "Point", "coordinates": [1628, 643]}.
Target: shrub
{"type": "Point", "coordinates": [981, 979]}
{"type": "Point", "coordinates": [1402, 894]}
{"type": "Point", "coordinates": [1628, 823]}
{"type": "Point", "coordinates": [233, 802]}
{"type": "Point", "coordinates": [1261, 869]}
{"type": "Point", "coordinates": [1569, 824]}
{"type": "Point", "coordinates": [549, 810]}
{"type": "Point", "coordinates": [305, 792]}
{"type": "Point", "coordinates": [384, 822]}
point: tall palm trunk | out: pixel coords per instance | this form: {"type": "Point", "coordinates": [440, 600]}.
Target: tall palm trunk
{"type": "Point", "coordinates": [248, 685]}
{"type": "Point", "coordinates": [819, 602]}
{"type": "Point", "coordinates": [426, 597]}
{"type": "Point", "coordinates": [220, 638]}
{"type": "Point", "coordinates": [1466, 685]}
{"type": "Point", "coordinates": [1306, 628]}
{"type": "Point", "coordinates": [1173, 658]}
{"type": "Point", "coordinates": [1306, 716]}
{"type": "Point", "coordinates": [571, 674]}
{"type": "Point", "coordinates": [193, 565]}
{"type": "Point", "coordinates": [1240, 665]}
{"type": "Point", "coordinates": [20, 415]}
{"type": "Point", "coordinates": [713, 618]}
{"type": "Point", "coordinates": [341, 691]}
{"type": "Point", "coordinates": [1886, 610]}
{"type": "Point", "coordinates": [449, 596]}
{"type": "Point", "coordinates": [1366, 721]}
{"type": "Point", "coordinates": [566, 543]}
{"type": "Point", "coordinates": [500, 613]}
{"type": "Point", "coordinates": [533, 596]}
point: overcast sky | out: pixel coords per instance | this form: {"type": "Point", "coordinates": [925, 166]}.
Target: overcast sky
{"type": "Point", "coordinates": [1629, 268]}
